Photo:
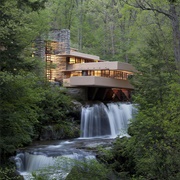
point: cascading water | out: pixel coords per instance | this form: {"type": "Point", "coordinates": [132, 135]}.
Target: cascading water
{"type": "Point", "coordinates": [97, 121]}
{"type": "Point", "coordinates": [105, 120]}
{"type": "Point", "coordinates": [51, 161]}
{"type": "Point", "coordinates": [27, 163]}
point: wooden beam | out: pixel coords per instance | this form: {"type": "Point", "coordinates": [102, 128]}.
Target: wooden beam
{"type": "Point", "coordinates": [94, 93]}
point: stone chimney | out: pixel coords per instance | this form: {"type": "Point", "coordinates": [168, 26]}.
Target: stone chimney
{"type": "Point", "coordinates": [60, 36]}
{"type": "Point", "coordinates": [63, 38]}
{"type": "Point", "coordinates": [53, 35]}
{"type": "Point", "coordinates": [39, 48]}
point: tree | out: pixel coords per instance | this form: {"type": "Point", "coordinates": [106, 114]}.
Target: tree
{"type": "Point", "coordinates": [19, 110]}
{"type": "Point", "coordinates": [19, 26]}
{"type": "Point", "coordinates": [152, 151]}
{"type": "Point", "coordinates": [57, 111]}
{"type": "Point", "coordinates": [170, 9]}
{"type": "Point", "coordinates": [19, 72]}
{"type": "Point", "coordinates": [105, 29]}
{"type": "Point", "coordinates": [62, 13]}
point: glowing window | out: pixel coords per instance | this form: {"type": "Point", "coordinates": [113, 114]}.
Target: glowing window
{"type": "Point", "coordinates": [72, 60]}
{"type": "Point", "coordinates": [97, 73]}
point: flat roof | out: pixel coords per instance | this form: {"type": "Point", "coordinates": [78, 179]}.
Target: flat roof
{"type": "Point", "coordinates": [81, 55]}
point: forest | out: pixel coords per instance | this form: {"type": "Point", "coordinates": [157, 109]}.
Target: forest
{"type": "Point", "coordinates": [145, 33]}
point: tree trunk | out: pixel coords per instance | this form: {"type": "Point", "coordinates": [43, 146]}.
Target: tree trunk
{"type": "Point", "coordinates": [112, 39]}
{"type": "Point", "coordinates": [176, 34]}
{"type": "Point", "coordinates": [80, 30]}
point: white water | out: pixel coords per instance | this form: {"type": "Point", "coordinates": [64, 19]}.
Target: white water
{"type": "Point", "coordinates": [102, 120]}
{"type": "Point", "coordinates": [52, 161]}
{"type": "Point", "coordinates": [50, 167]}
{"type": "Point", "coordinates": [27, 163]}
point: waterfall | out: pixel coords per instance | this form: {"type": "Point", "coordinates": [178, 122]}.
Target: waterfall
{"type": "Point", "coordinates": [108, 120]}
{"type": "Point", "coordinates": [27, 163]}
{"type": "Point", "coordinates": [34, 162]}
{"type": "Point", "coordinates": [50, 161]}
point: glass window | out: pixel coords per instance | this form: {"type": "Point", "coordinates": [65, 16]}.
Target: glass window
{"type": "Point", "coordinates": [97, 73]}
{"type": "Point", "coordinates": [111, 73]}
{"type": "Point", "coordinates": [105, 73]}
{"type": "Point", "coordinates": [76, 73]}
{"type": "Point", "coordinates": [72, 60]}
{"type": "Point", "coordinates": [78, 60]}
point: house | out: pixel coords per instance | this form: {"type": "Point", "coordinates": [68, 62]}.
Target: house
{"type": "Point", "coordinates": [100, 80]}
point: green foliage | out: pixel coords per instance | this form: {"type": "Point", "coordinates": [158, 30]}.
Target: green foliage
{"type": "Point", "coordinates": [105, 30]}
{"type": "Point", "coordinates": [55, 110]}
{"type": "Point", "coordinates": [19, 110]}
{"type": "Point", "coordinates": [72, 169]}
{"type": "Point", "coordinates": [62, 13]}
{"type": "Point", "coordinates": [20, 87]}
{"type": "Point", "coordinates": [157, 71]}
{"type": "Point", "coordinates": [19, 26]}
{"type": "Point", "coordinates": [97, 27]}
{"type": "Point", "coordinates": [115, 30]}
{"type": "Point", "coordinates": [119, 159]}
{"type": "Point", "coordinates": [153, 150]}
{"type": "Point", "coordinates": [9, 174]}
{"type": "Point", "coordinates": [155, 142]}
{"type": "Point", "coordinates": [87, 170]}
{"type": "Point", "coordinates": [67, 129]}
{"type": "Point", "coordinates": [155, 131]}
{"type": "Point", "coordinates": [55, 106]}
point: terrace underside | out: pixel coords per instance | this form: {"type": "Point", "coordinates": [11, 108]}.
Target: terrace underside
{"type": "Point", "coordinates": [108, 94]}
{"type": "Point", "coordinates": [102, 88]}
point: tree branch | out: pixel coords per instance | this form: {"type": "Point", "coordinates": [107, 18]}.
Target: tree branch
{"type": "Point", "coordinates": [140, 5]}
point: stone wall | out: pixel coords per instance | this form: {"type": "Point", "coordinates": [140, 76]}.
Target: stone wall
{"type": "Point", "coordinates": [39, 50]}
{"type": "Point", "coordinates": [63, 39]}
{"type": "Point", "coordinates": [60, 36]}
{"type": "Point", "coordinates": [79, 94]}
{"type": "Point", "coordinates": [60, 66]}
{"type": "Point", "coordinates": [59, 131]}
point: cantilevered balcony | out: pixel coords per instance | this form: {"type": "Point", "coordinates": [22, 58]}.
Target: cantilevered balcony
{"type": "Point", "coordinates": [94, 81]}
{"type": "Point", "coordinates": [110, 65]}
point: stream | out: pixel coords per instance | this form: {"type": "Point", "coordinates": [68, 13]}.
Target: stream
{"type": "Point", "coordinates": [100, 125]}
